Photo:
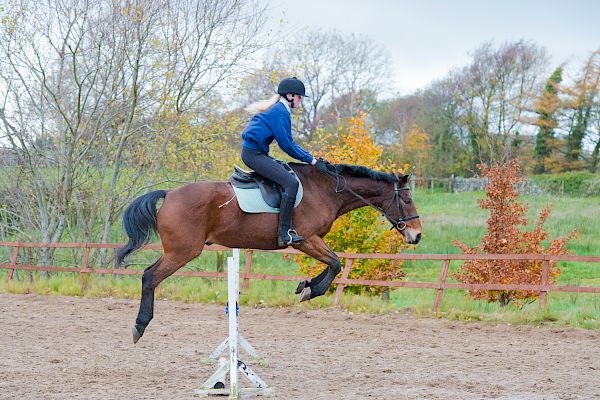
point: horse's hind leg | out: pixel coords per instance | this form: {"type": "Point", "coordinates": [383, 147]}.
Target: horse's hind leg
{"type": "Point", "coordinates": [146, 311]}
{"type": "Point", "coordinates": [316, 248]}
{"type": "Point", "coordinates": [152, 277]}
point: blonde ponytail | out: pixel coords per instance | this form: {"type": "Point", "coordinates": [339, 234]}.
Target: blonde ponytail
{"type": "Point", "coordinates": [262, 105]}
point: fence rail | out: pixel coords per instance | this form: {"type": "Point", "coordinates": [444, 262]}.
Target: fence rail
{"type": "Point", "coordinates": [543, 288]}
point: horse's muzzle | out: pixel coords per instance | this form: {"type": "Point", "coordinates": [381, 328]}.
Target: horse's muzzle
{"type": "Point", "coordinates": [413, 240]}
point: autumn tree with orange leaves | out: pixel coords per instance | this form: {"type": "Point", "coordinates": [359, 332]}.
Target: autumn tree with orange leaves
{"type": "Point", "coordinates": [362, 230]}
{"type": "Point", "coordinates": [417, 150]}
{"type": "Point", "coordinates": [504, 236]}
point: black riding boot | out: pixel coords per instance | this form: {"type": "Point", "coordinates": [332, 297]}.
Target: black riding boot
{"type": "Point", "coordinates": [286, 233]}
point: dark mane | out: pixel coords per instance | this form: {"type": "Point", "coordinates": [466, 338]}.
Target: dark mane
{"type": "Point", "coordinates": [364, 172]}
{"type": "Point", "coordinates": [359, 171]}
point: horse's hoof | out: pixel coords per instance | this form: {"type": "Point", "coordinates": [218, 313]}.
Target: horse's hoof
{"type": "Point", "coordinates": [136, 335]}
{"type": "Point", "coordinates": [301, 286]}
{"type": "Point", "coordinates": [305, 295]}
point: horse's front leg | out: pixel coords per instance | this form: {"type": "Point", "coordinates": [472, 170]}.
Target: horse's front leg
{"type": "Point", "coordinates": [316, 248]}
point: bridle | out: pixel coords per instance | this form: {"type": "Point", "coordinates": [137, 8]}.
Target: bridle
{"type": "Point", "coordinates": [399, 224]}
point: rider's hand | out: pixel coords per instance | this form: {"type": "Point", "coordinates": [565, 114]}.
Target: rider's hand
{"type": "Point", "coordinates": [324, 166]}
{"type": "Point", "coordinates": [314, 161]}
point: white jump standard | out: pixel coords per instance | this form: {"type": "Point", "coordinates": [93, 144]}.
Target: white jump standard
{"type": "Point", "coordinates": [215, 385]}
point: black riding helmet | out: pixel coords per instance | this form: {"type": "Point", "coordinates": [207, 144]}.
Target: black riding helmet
{"type": "Point", "coordinates": [291, 85]}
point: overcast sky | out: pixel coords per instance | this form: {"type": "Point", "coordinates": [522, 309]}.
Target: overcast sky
{"type": "Point", "coordinates": [425, 38]}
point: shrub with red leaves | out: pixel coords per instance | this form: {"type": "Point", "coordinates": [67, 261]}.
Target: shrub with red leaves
{"type": "Point", "coordinates": [505, 236]}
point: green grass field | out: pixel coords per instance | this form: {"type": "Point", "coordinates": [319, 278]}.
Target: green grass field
{"type": "Point", "coordinates": [445, 217]}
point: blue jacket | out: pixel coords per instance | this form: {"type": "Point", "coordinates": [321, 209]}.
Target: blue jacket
{"type": "Point", "coordinates": [273, 123]}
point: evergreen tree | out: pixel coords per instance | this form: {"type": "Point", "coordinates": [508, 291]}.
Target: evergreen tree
{"type": "Point", "coordinates": [583, 98]}
{"type": "Point", "coordinates": [546, 109]}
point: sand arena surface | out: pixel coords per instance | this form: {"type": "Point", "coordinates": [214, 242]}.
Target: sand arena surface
{"type": "Point", "coordinates": [77, 348]}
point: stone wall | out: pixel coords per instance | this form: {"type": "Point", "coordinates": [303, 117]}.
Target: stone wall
{"type": "Point", "coordinates": [459, 184]}
{"type": "Point", "coordinates": [478, 184]}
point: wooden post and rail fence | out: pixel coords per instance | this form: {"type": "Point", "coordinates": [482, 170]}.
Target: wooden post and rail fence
{"type": "Point", "coordinates": [543, 287]}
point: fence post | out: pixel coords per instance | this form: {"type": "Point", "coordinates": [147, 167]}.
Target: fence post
{"type": "Point", "coordinates": [440, 290]}
{"type": "Point", "coordinates": [84, 267]}
{"type": "Point", "coordinates": [340, 287]}
{"type": "Point", "coordinates": [544, 283]}
{"type": "Point", "coordinates": [248, 266]}
{"type": "Point", "coordinates": [13, 263]}
{"type": "Point", "coordinates": [386, 294]}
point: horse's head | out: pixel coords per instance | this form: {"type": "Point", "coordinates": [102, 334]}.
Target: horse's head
{"type": "Point", "coordinates": [387, 193]}
{"type": "Point", "coordinates": [401, 211]}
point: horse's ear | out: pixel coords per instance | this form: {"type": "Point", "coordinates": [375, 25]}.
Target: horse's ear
{"type": "Point", "coordinates": [403, 179]}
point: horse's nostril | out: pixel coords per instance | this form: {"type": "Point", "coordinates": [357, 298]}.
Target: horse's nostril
{"type": "Point", "coordinates": [417, 238]}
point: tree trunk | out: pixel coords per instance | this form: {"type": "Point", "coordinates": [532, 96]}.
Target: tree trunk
{"type": "Point", "coordinates": [594, 157]}
{"type": "Point", "coordinates": [385, 295]}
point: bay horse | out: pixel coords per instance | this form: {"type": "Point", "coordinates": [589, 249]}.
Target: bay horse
{"type": "Point", "coordinates": [207, 212]}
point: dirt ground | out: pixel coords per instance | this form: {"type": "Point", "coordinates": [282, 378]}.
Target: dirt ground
{"type": "Point", "coordinates": [75, 348]}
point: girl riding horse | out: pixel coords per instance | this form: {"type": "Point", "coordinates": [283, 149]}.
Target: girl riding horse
{"type": "Point", "coordinates": [273, 122]}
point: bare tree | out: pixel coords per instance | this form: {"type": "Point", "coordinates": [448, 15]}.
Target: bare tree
{"type": "Point", "coordinates": [92, 91]}
{"type": "Point", "coordinates": [48, 105]}
{"type": "Point", "coordinates": [335, 67]}
{"type": "Point", "coordinates": [494, 93]}
{"type": "Point", "coordinates": [342, 74]}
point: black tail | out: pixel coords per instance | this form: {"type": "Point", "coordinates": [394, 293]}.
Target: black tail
{"type": "Point", "coordinates": [139, 221]}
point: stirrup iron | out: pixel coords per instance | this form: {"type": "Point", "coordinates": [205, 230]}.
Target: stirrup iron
{"type": "Point", "coordinates": [295, 238]}
{"type": "Point", "coordinates": [292, 238]}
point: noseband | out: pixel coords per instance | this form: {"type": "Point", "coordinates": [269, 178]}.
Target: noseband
{"type": "Point", "coordinates": [399, 224]}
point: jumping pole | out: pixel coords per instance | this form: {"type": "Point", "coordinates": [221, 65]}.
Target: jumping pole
{"type": "Point", "coordinates": [215, 385]}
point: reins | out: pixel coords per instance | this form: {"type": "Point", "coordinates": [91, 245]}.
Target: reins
{"type": "Point", "coordinates": [399, 224]}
